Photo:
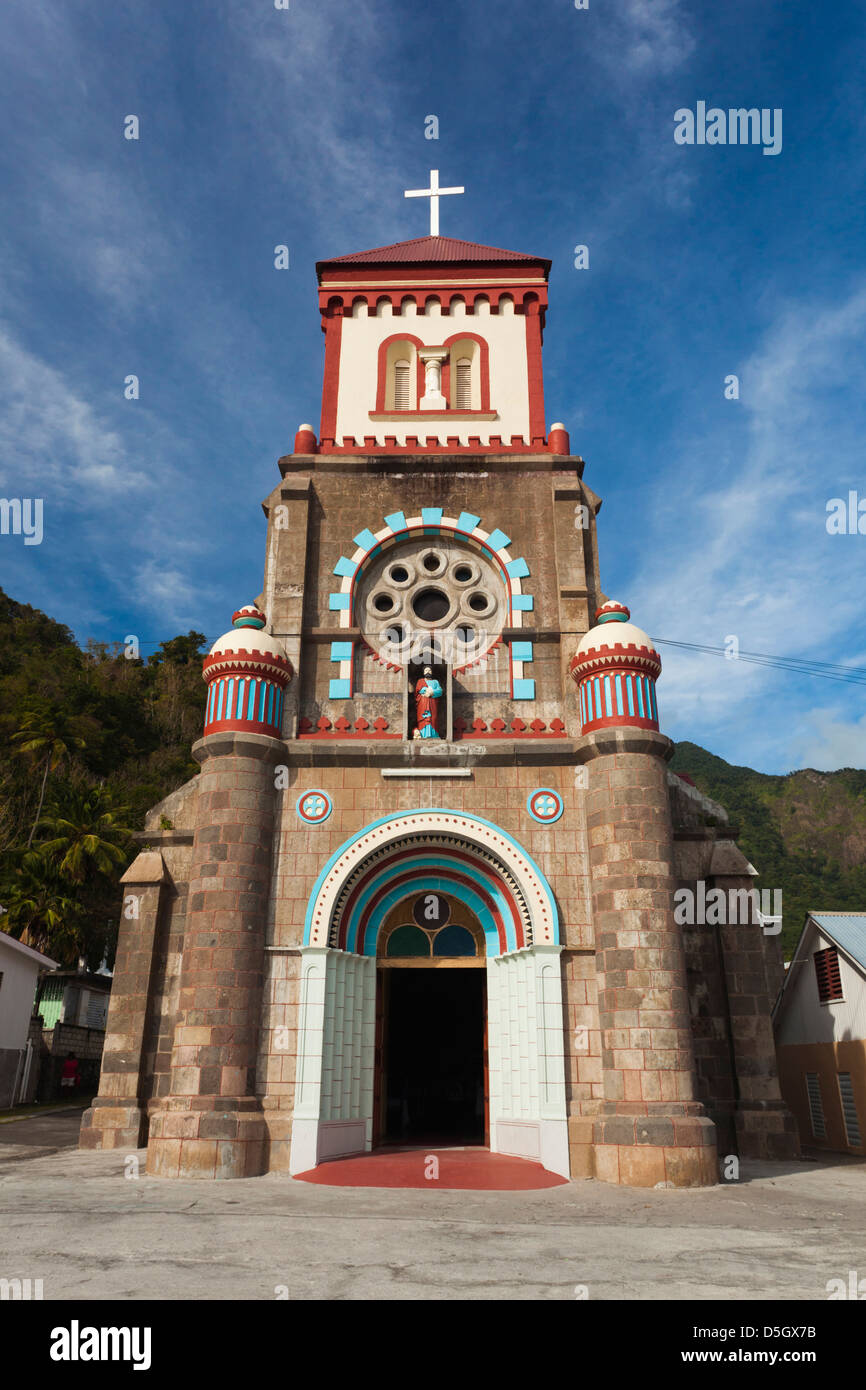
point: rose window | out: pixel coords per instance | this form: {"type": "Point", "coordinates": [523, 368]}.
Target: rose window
{"type": "Point", "coordinates": [432, 599]}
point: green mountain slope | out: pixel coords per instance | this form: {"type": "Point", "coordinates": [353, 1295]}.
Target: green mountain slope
{"type": "Point", "coordinates": [99, 739]}
{"type": "Point", "coordinates": [804, 832]}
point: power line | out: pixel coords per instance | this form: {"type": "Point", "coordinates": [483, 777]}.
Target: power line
{"type": "Point", "coordinates": [801, 666]}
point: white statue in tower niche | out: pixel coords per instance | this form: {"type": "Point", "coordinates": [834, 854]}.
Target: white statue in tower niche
{"type": "Point", "coordinates": [428, 693]}
{"type": "Point", "coordinates": [433, 358]}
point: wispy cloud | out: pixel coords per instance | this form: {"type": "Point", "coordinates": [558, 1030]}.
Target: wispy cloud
{"type": "Point", "coordinates": [318, 81]}
{"type": "Point", "coordinates": [830, 740]}
{"type": "Point", "coordinates": [170, 592]}
{"type": "Point", "coordinates": [652, 37]}
{"type": "Point", "coordinates": [742, 550]}
{"type": "Point", "coordinates": [115, 244]}
{"type": "Point", "coordinates": [50, 434]}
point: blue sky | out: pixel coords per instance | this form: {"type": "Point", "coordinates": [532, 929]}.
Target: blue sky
{"type": "Point", "coordinates": [262, 126]}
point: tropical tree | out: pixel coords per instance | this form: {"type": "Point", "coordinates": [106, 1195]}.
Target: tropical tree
{"type": "Point", "coordinates": [47, 739]}
{"type": "Point", "coordinates": [38, 911]}
{"type": "Point", "coordinates": [87, 839]}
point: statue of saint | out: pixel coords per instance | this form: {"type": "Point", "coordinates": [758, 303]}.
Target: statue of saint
{"type": "Point", "coordinates": [428, 693]}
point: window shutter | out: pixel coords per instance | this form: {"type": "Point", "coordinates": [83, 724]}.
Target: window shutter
{"type": "Point", "coordinates": [816, 1106]}
{"type": "Point", "coordinates": [463, 393]}
{"type": "Point", "coordinates": [95, 1010]}
{"type": "Point", "coordinates": [401, 385]}
{"type": "Point", "coordinates": [827, 974]}
{"type": "Point", "coordinates": [849, 1110]}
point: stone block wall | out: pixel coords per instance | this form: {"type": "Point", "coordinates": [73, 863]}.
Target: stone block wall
{"type": "Point", "coordinates": [734, 971]}
{"type": "Point", "coordinates": [210, 1122]}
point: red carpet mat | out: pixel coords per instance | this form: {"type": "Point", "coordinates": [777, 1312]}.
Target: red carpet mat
{"type": "Point", "coordinates": [475, 1170]}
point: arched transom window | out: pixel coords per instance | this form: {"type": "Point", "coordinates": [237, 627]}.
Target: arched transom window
{"type": "Point", "coordinates": [428, 927]}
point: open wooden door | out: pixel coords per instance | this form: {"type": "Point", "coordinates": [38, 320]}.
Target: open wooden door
{"type": "Point", "coordinates": [380, 1089]}
{"type": "Point", "coordinates": [486, 1070]}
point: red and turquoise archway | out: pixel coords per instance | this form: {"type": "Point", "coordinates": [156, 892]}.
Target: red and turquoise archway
{"type": "Point", "coordinates": [477, 862]}
{"type": "Point", "coordinates": [431, 850]}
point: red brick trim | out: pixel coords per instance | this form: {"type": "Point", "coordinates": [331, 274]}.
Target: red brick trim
{"type": "Point", "coordinates": [497, 729]}
{"type": "Point", "coordinates": [332, 326]}
{"type": "Point", "coordinates": [644, 660]}
{"type": "Point", "coordinates": [341, 728]}
{"type": "Point", "coordinates": [535, 369]}
{"type": "Point", "coordinates": [433, 444]}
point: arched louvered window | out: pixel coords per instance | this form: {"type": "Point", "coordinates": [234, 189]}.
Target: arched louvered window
{"type": "Point", "coordinates": [463, 391]}
{"type": "Point", "coordinates": [401, 385]}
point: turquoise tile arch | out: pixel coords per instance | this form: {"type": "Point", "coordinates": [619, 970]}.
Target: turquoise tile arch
{"type": "Point", "coordinates": [432, 521]}
{"type": "Point", "coordinates": [393, 856]}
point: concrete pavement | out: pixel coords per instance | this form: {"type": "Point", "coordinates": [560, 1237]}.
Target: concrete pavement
{"type": "Point", "coordinates": [91, 1229]}
{"type": "Point", "coordinates": [40, 1134]}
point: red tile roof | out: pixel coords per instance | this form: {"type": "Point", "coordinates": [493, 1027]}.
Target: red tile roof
{"type": "Point", "coordinates": [423, 249]}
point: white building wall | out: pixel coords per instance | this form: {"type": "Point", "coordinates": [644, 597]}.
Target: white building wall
{"type": "Point", "coordinates": [806, 1020]}
{"type": "Point", "coordinates": [17, 993]}
{"type": "Point", "coordinates": [505, 334]}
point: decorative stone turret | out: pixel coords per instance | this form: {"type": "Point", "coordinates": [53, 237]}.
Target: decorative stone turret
{"type": "Point", "coordinates": [211, 1123]}
{"type": "Point", "coordinates": [246, 672]}
{"type": "Point", "coordinates": [649, 1129]}
{"type": "Point", "coordinates": [616, 668]}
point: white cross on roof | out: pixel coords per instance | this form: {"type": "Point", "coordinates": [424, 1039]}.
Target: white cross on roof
{"type": "Point", "coordinates": [434, 193]}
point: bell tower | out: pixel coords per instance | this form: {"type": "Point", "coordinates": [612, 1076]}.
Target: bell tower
{"type": "Point", "coordinates": [433, 345]}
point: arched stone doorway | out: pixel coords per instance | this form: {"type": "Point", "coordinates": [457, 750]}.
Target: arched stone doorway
{"type": "Point", "coordinates": [431, 1074]}
{"type": "Point", "coordinates": [471, 862]}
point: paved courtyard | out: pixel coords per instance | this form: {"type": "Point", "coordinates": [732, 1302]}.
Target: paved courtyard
{"type": "Point", "coordinates": [89, 1231]}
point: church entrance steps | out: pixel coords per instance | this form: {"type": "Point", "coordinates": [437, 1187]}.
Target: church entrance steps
{"type": "Point", "coordinates": [466, 1169]}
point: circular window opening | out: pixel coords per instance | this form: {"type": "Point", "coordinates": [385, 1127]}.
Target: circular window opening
{"type": "Point", "coordinates": [383, 603]}
{"type": "Point", "coordinates": [430, 605]}
{"type": "Point", "coordinates": [463, 574]}
{"type": "Point", "coordinates": [399, 574]}
{"type": "Point", "coordinates": [431, 562]}
{"type": "Point", "coordinates": [396, 634]}
{"type": "Point", "coordinates": [479, 603]}
{"type": "Point", "coordinates": [466, 635]}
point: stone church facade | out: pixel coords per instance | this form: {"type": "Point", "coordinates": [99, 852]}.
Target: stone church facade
{"type": "Point", "coordinates": [422, 888]}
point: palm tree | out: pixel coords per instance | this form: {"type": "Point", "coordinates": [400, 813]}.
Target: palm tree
{"type": "Point", "coordinates": [87, 840]}
{"type": "Point", "coordinates": [38, 912]}
{"type": "Point", "coordinates": [48, 736]}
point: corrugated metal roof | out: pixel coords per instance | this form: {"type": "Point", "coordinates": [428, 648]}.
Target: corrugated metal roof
{"type": "Point", "coordinates": [37, 956]}
{"type": "Point", "coordinates": [848, 929]}
{"type": "Point", "coordinates": [431, 248]}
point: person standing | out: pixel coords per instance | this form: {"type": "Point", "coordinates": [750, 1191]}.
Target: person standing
{"type": "Point", "coordinates": [70, 1076]}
